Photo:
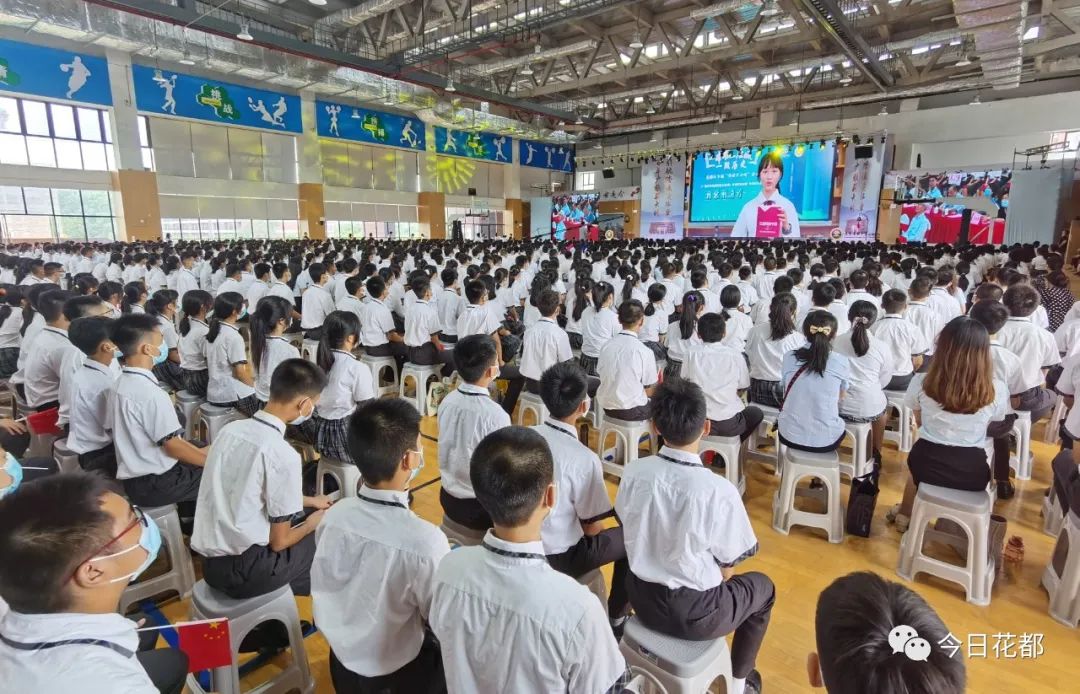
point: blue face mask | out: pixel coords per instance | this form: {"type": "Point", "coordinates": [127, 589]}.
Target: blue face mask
{"type": "Point", "coordinates": [149, 540]}
{"type": "Point", "coordinates": [162, 355]}
{"type": "Point", "coordinates": [15, 472]}
{"type": "Point", "coordinates": [1004, 203]}
{"type": "Point", "coordinates": [416, 471]}
{"type": "Point", "coordinates": [243, 314]}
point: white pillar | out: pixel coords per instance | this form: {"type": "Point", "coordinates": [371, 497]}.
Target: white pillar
{"type": "Point", "coordinates": [309, 153]}
{"type": "Point", "coordinates": [125, 117]}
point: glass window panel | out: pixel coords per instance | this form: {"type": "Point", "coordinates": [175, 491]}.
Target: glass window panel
{"type": "Point", "coordinates": [110, 158]}
{"type": "Point", "coordinates": [70, 227]}
{"type": "Point", "coordinates": [29, 226]}
{"type": "Point", "coordinates": [148, 158]}
{"type": "Point", "coordinates": [170, 227]}
{"type": "Point", "coordinates": [189, 228]}
{"type": "Point", "coordinates": [10, 122]}
{"type": "Point", "coordinates": [41, 151]}
{"type": "Point", "coordinates": [243, 228]}
{"type": "Point", "coordinates": [332, 230]}
{"type": "Point", "coordinates": [226, 228]}
{"type": "Point", "coordinates": [38, 200]}
{"type": "Point", "coordinates": [68, 154]}
{"type": "Point", "coordinates": [208, 228]}
{"type": "Point", "coordinates": [276, 228]}
{"type": "Point", "coordinates": [96, 203]}
{"type": "Point", "coordinates": [100, 228]}
{"type": "Point", "coordinates": [63, 118]}
{"type": "Point", "coordinates": [11, 200]}
{"type": "Point", "coordinates": [106, 121]}
{"type": "Point", "coordinates": [37, 122]}
{"type": "Point", "coordinates": [89, 124]}
{"type": "Point", "coordinates": [94, 156]}
{"type": "Point", "coordinates": [292, 229]}
{"type": "Point", "coordinates": [260, 228]}
{"type": "Point", "coordinates": [13, 149]}
{"type": "Point", "coordinates": [67, 202]}
{"type": "Point", "coordinates": [144, 132]}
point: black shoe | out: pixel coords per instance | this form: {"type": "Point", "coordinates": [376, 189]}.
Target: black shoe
{"type": "Point", "coordinates": [753, 683]}
{"type": "Point", "coordinates": [618, 625]}
{"type": "Point", "coordinates": [1005, 490]}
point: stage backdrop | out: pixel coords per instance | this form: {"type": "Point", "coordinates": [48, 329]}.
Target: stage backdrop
{"type": "Point", "coordinates": [662, 199]}
{"type": "Point", "coordinates": [862, 191]}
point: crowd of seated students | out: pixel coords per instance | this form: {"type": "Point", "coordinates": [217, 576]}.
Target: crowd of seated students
{"type": "Point", "coordinates": [697, 337]}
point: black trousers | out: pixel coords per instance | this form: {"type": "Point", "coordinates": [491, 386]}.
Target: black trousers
{"type": "Point", "coordinates": [1038, 401]}
{"type": "Point", "coordinates": [166, 668]}
{"type": "Point", "coordinates": [261, 570]}
{"type": "Point", "coordinates": [428, 354]}
{"type": "Point", "coordinates": [955, 467]}
{"type": "Point", "coordinates": [741, 604]}
{"type": "Point", "coordinates": [396, 350]}
{"type": "Point", "coordinates": [590, 553]}
{"type": "Point", "coordinates": [467, 512]}
{"type": "Point", "coordinates": [421, 675]}
{"type": "Point", "coordinates": [1067, 482]}
{"type": "Point", "coordinates": [177, 485]}
{"type": "Point", "coordinates": [999, 431]}
{"type": "Point", "coordinates": [102, 460]}
{"type": "Point", "coordinates": [742, 425]}
{"type": "Point", "coordinates": [640, 413]}
{"type": "Point", "coordinates": [515, 384]}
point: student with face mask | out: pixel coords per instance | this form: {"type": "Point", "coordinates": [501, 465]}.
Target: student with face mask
{"type": "Point", "coordinates": [63, 632]}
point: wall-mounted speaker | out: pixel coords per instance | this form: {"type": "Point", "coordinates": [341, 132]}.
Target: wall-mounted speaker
{"type": "Point", "coordinates": [609, 173]}
{"type": "Point", "coordinates": [864, 152]}
{"type": "Point", "coordinates": [472, 192]}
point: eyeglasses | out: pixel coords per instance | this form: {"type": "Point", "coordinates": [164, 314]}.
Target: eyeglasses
{"type": "Point", "coordinates": [140, 519]}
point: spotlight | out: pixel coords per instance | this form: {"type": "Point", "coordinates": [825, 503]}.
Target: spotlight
{"type": "Point", "coordinates": [187, 60]}
{"type": "Point", "coordinates": [450, 84]}
{"type": "Point", "coordinates": [855, 139]}
{"type": "Point", "coordinates": [318, 3]}
{"type": "Point", "coordinates": [964, 61]}
{"type": "Point", "coordinates": [526, 70]}
{"type": "Point", "coordinates": [579, 120]}
{"type": "Point", "coordinates": [636, 41]}
{"type": "Point", "coordinates": [823, 143]}
{"type": "Point", "coordinates": [846, 79]}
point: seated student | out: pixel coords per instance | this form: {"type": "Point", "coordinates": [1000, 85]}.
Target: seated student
{"type": "Point", "coordinates": [232, 281]}
{"type": "Point", "coordinates": [781, 285]}
{"type": "Point", "coordinates": [260, 284]}
{"type": "Point", "coordinates": [737, 325]}
{"type": "Point", "coordinates": [349, 384]}
{"type": "Point", "coordinates": [902, 339]}
{"type": "Point", "coordinates": [465, 416]}
{"type": "Point", "coordinates": [750, 296]}
{"type": "Point", "coordinates": [244, 519]}
{"type": "Point", "coordinates": [1034, 346]}
{"type": "Point", "coordinates": [766, 347]}
{"type": "Point", "coordinates": [574, 537]}
{"type": "Point", "coordinates": [63, 631]}
{"type": "Point", "coordinates": [41, 373]}
{"type": "Point", "coordinates": [317, 304]}
{"type": "Point", "coordinates": [478, 317]}
{"type": "Point", "coordinates": [111, 293]}
{"type": "Point", "coordinates": [923, 316]}
{"type": "Point", "coordinates": [72, 360]}
{"type": "Point", "coordinates": [545, 344]}
{"type": "Point", "coordinates": [269, 347]}
{"type": "Point", "coordinates": [373, 545]}
{"type": "Point", "coordinates": [422, 327]}
{"type": "Point", "coordinates": [378, 334]}
{"type": "Point", "coordinates": [192, 344]}
{"type": "Point", "coordinates": [153, 461]}
{"type": "Point", "coordinates": [11, 323]}
{"type": "Point", "coordinates": [823, 298]}
{"type": "Point", "coordinates": [870, 371]}
{"type": "Point", "coordinates": [91, 387]}
{"type": "Point", "coordinates": [723, 376]}
{"type": "Point", "coordinates": [815, 377]}
{"type": "Point", "coordinates": [279, 286]}
{"type": "Point", "coordinates": [449, 305]}
{"type": "Point", "coordinates": [507, 621]}
{"type": "Point", "coordinates": [352, 298]}
{"type": "Point", "coordinates": [688, 589]}
{"type": "Point", "coordinates": [941, 299]}
{"type": "Point", "coordinates": [654, 330]}
{"type": "Point", "coordinates": [854, 623]}
{"type": "Point", "coordinates": [682, 333]}
{"type": "Point", "coordinates": [599, 323]}
{"type": "Point", "coordinates": [576, 303]}
{"type": "Point", "coordinates": [627, 369]}
{"type": "Point", "coordinates": [162, 305]}
{"type": "Point", "coordinates": [135, 297]}
{"type": "Point", "coordinates": [229, 383]}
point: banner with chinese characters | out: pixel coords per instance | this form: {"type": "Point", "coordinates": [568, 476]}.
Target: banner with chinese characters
{"type": "Point", "coordinates": [473, 145]}
{"type": "Point", "coordinates": [164, 92]}
{"type": "Point", "coordinates": [364, 125]}
{"type": "Point", "coordinates": [545, 155]}
{"type": "Point", "coordinates": [662, 199]}
{"type": "Point", "coordinates": [48, 72]}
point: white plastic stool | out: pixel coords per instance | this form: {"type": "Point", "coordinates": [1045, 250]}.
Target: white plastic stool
{"type": "Point", "coordinates": [1053, 426]}
{"type": "Point", "coordinates": [594, 581]}
{"type": "Point", "coordinates": [181, 574]}
{"type": "Point", "coordinates": [309, 350]}
{"type": "Point", "coordinates": [243, 616]}
{"type": "Point", "coordinates": [681, 666]}
{"type": "Point", "coordinates": [1064, 589]}
{"type": "Point", "coordinates": [628, 435]}
{"type": "Point", "coordinates": [531, 402]}
{"type": "Point", "coordinates": [66, 459]}
{"type": "Point", "coordinates": [861, 461]}
{"type": "Point", "coordinates": [768, 421]}
{"type": "Point", "coordinates": [377, 365]}
{"type": "Point", "coordinates": [187, 405]}
{"type": "Point", "coordinates": [1053, 515]}
{"type": "Point", "coordinates": [209, 420]}
{"type": "Point", "coordinates": [797, 465]}
{"type": "Point", "coordinates": [1022, 431]}
{"type": "Point", "coordinates": [728, 448]}
{"type": "Point", "coordinates": [904, 436]}
{"type": "Point", "coordinates": [969, 510]}
{"type": "Point", "coordinates": [420, 374]}
{"type": "Point", "coordinates": [459, 535]}
{"type": "Point", "coordinates": [345, 474]}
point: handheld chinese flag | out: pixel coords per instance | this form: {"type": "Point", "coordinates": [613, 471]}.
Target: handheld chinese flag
{"type": "Point", "coordinates": [44, 423]}
{"type": "Point", "coordinates": [206, 644]}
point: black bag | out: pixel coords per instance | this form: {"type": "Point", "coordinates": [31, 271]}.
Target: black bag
{"type": "Point", "coordinates": [861, 503]}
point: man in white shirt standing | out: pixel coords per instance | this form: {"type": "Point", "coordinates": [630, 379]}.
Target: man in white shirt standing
{"type": "Point", "coordinates": [508, 621]}
{"type": "Point", "coordinates": [371, 583]}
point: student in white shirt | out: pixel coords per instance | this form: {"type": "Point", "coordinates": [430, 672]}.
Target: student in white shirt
{"type": "Point", "coordinates": [186, 279]}
{"type": "Point", "coordinates": [654, 328]}
{"type": "Point", "coordinates": [259, 286]}
{"type": "Point", "coordinates": [135, 296]}
{"type": "Point", "coordinates": [373, 545]}
{"type": "Point", "coordinates": [505, 591]}
{"type": "Point", "coordinates": [90, 389]}
{"type": "Point", "coordinates": [627, 369]}
{"type": "Point", "coordinates": [941, 299]}
{"type": "Point", "coordinates": [63, 631]}
{"type": "Point", "coordinates": [162, 305]}
{"type": "Point", "coordinates": [545, 344]}
{"type": "Point", "coordinates": [766, 347]}
{"type": "Point", "coordinates": [737, 325]}
{"type": "Point", "coordinates": [449, 305]}
{"type": "Point", "coordinates": [11, 322]}
{"type": "Point", "coordinates": [923, 316]}
{"type": "Point", "coordinates": [688, 589]}
{"type": "Point", "coordinates": [245, 520]}
{"type": "Point", "coordinates": [746, 288]}
{"type": "Point", "coordinates": [229, 383]}
{"type": "Point", "coordinates": [42, 372]}
{"type": "Point", "coordinates": [422, 328]}
{"type": "Point", "coordinates": [870, 370]}
{"type": "Point", "coordinates": [34, 273]}
{"type": "Point", "coordinates": [682, 333]}
{"type": "Point", "coordinates": [576, 304]}
{"type": "Point", "coordinates": [112, 293]}
{"type": "Point", "coordinates": [465, 416]}
{"type": "Point", "coordinates": [317, 304]}
{"type": "Point", "coordinates": [722, 374]}
{"type": "Point", "coordinates": [196, 304]}
{"type": "Point", "coordinates": [815, 377]}
{"type": "Point", "coordinates": [352, 301]}
{"type": "Point", "coordinates": [1034, 346]}
{"type": "Point", "coordinates": [599, 323]}
{"type": "Point", "coordinates": [904, 342]}
{"type": "Point", "coordinates": [155, 276]}
{"type": "Point", "coordinates": [377, 331]}
{"type": "Point", "coordinates": [269, 347]}
{"type": "Point", "coordinates": [153, 461]}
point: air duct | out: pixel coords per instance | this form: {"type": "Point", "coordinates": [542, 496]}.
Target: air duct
{"type": "Point", "coordinates": [998, 27]}
{"type": "Point", "coordinates": [352, 16]}
{"type": "Point", "coordinates": [498, 66]}
{"type": "Point", "coordinates": [717, 9]}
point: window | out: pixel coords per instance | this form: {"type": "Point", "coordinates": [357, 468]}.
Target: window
{"type": "Point", "coordinates": [586, 180]}
{"type": "Point", "coordinates": [57, 214]}
{"type": "Point", "coordinates": [1071, 140]}
{"type": "Point", "coordinates": [39, 133]}
{"type": "Point", "coordinates": [226, 229]}
{"type": "Point", "coordinates": [476, 224]}
{"type": "Point", "coordinates": [145, 147]}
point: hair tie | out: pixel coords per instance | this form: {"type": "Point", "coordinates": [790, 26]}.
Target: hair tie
{"type": "Point", "coordinates": [862, 320]}
{"type": "Point", "coordinates": [823, 329]}
{"type": "Point", "coordinates": [691, 298]}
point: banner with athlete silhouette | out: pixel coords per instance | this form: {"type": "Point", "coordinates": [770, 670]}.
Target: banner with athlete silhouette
{"type": "Point", "coordinates": [546, 155]}
{"type": "Point", "coordinates": [53, 73]}
{"type": "Point", "coordinates": [342, 122]}
{"type": "Point", "coordinates": [474, 145]}
{"type": "Point", "coordinates": [167, 93]}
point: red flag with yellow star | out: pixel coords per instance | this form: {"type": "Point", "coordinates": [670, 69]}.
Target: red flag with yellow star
{"type": "Point", "coordinates": [206, 644]}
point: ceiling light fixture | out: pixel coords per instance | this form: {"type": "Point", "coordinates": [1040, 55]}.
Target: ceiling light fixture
{"type": "Point", "coordinates": [526, 69]}
{"type": "Point", "coordinates": [976, 101]}
{"type": "Point", "coordinates": [770, 9]}
{"type": "Point", "coordinates": [845, 79]}
{"type": "Point", "coordinates": [650, 110]}
{"type": "Point", "coordinates": [736, 97]}
{"type": "Point", "coordinates": [318, 3]}
{"type": "Point", "coordinates": [245, 33]}
{"type": "Point", "coordinates": [186, 59]}
{"type": "Point", "coordinates": [579, 121]}
{"type": "Point", "coordinates": [964, 61]}
{"type": "Point", "coordinates": [636, 41]}
{"type": "Point", "coordinates": [884, 110]}
{"type": "Point", "coordinates": [450, 84]}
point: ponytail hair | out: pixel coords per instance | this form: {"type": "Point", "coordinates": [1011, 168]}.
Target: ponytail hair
{"type": "Point", "coordinates": [582, 291]}
{"type": "Point", "coordinates": [225, 305]}
{"type": "Point", "coordinates": [13, 296]}
{"type": "Point", "coordinates": [657, 293]}
{"type": "Point", "coordinates": [133, 291]}
{"type": "Point", "coordinates": [691, 302]}
{"type": "Point", "coordinates": [782, 316]}
{"type": "Point", "coordinates": [629, 280]}
{"type": "Point", "coordinates": [33, 295]}
{"type": "Point", "coordinates": [730, 298]}
{"type": "Point", "coordinates": [268, 312]}
{"type": "Point", "coordinates": [194, 301]}
{"type": "Point", "coordinates": [819, 328]}
{"type": "Point", "coordinates": [862, 315]}
{"type": "Point", "coordinates": [160, 300]}
{"type": "Point", "coordinates": [338, 326]}
{"type": "Point", "coordinates": [873, 283]}
{"type": "Point", "coordinates": [601, 292]}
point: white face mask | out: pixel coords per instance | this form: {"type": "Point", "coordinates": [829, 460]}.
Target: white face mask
{"type": "Point", "coordinates": [303, 417]}
{"type": "Point", "coordinates": [416, 470]}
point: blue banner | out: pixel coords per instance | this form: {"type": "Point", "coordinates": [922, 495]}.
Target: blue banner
{"type": "Point", "coordinates": [544, 155]}
{"type": "Point", "coordinates": [365, 125]}
{"type": "Point", "coordinates": [164, 92]}
{"type": "Point", "coordinates": [474, 145]}
{"type": "Point", "coordinates": [53, 73]}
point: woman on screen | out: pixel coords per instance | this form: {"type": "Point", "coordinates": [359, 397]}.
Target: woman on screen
{"type": "Point", "coordinates": [769, 214]}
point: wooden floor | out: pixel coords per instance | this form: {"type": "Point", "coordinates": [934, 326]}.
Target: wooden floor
{"type": "Point", "coordinates": [804, 563]}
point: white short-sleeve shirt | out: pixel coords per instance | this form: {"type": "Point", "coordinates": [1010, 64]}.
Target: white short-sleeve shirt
{"type": "Point", "coordinates": [1034, 345]}
{"type": "Point", "coordinates": [902, 340]}
{"type": "Point", "coordinates": [477, 319]}
{"type": "Point", "coordinates": [91, 387]}
{"type": "Point", "coordinates": [276, 350]}
{"type": "Point", "coordinates": [317, 305]}
{"type": "Point", "coordinates": [597, 328]}
{"type": "Point", "coordinates": [375, 322]}
{"type": "Point", "coordinates": [421, 322]}
{"type": "Point", "coordinates": [544, 345]}
{"type": "Point", "coordinates": [222, 355]}
{"type": "Point", "coordinates": [626, 367]}
{"type": "Point", "coordinates": [142, 419]}
{"type": "Point", "coordinates": [927, 320]}
{"type": "Point", "coordinates": [949, 429]}
{"type": "Point", "coordinates": [722, 373]}
{"type": "Point", "coordinates": [465, 417]}
{"type": "Point", "coordinates": [867, 377]}
{"type": "Point", "coordinates": [766, 354]}
{"type": "Point", "coordinates": [349, 382]}
{"type": "Point", "coordinates": [192, 347]}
